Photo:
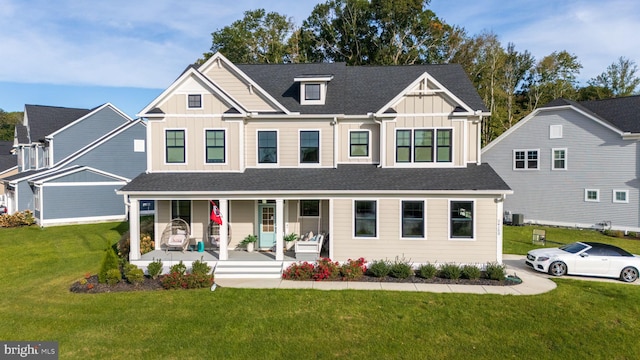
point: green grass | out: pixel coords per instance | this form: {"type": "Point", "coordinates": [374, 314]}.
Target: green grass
{"type": "Point", "coordinates": [578, 319]}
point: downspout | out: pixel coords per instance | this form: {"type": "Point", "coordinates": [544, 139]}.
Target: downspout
{"type": "Point", "coordinates": [381, 145]}
{"type": "Point", "coordinates": [334, 123]}
{"type": "Point", "coordinates": [479, 138]}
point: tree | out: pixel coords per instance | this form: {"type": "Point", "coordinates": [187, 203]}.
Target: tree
{"type": "Point", "coordinates": [8, 122]}
{"type": "Point", "coordinates": [552, 77]}
{"type": "Point", "coordinates": [618, 80]}
{"type": "Point", "coordinates": [260, 37]}
{"type": "Point", "coordinates": [515, 68]}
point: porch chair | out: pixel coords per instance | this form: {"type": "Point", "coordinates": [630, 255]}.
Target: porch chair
{"type": "Point", "coordinates": [309, 247]}
{"type": "Point", "coordinates": [176, 235]}
{"type": "Point", "coordinates": [213, 234]}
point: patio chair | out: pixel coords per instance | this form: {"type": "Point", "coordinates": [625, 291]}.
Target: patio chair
{"type": "Point", "coordinates": [309, 247]}
{"type": "Point", "coordinates": [213, 234]}
{"type": "Point", "coordinates": [176, 235]}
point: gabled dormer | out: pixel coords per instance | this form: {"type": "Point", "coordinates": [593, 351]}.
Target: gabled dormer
{"type": "Point", "coordinates": [313, 88]}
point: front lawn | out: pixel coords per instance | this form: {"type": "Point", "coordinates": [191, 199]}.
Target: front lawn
{"type": "Point", "coordinates": [579, 319]}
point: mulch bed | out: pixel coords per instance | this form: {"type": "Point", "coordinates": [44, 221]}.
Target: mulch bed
{"type": "Point", "coordinates": [92, 286]}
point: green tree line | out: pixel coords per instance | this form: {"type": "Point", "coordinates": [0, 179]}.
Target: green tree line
{"type": "Point", "coordinates": [8, 121]}
{"type": "Point", "coordinates": [402, 32]}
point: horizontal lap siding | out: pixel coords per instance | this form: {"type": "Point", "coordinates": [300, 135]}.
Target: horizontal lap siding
{"type": "Point", "coordinates": [435, 248]}
{"type": "Point", "coordinates": [344, 142]}
{"type": "Point", "coordinates": [64, 202]}
{"type": "Point", "coordinates": [242, 218]}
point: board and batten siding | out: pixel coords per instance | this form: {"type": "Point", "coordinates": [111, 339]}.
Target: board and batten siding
{"type": "Point", "coordinates": [237, 88]}
{"type": "Point", "coordinates": [597, 158]}
{"type": "Point", "coordinates": [435, 248]}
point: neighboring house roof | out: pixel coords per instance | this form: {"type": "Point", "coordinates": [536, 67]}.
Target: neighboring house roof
{"type": "Point", "coordinates": [22, 134]}
{"type": "Point", "coordinates": [344, 178]}
{"type": "Point", "coordinates": [357, 90]}
{"type": "Point", "coordinates": [7, 159]}
{"type": "Point", "coordinates": [623, 113]}
{"type": "Point", "coordinates": [45, 120]}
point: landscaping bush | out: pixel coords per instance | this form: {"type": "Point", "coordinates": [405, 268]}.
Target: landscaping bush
{"type": "Point", "coordinates": [427, 271]}
{"type": "Point", "coordinates": [155, 269]}
{"type": "Point", "coordinates": [200, 267]}
{"type": "Point", "coordinates": [401, 269]}
{"type": "Point", "coordinates": [353, 269]}
{"type": "Point", "coordinates": [450, 271]}
{"type": "Point", "coordinates": [135, 276]}
{"type": "Point", "coordinates": [23, 218]}
{"type": "Point", "coordinates": [109, 262]}
{"type": "Point", "coordinates": [178, 268]}
{"type": "Point", "coordinates": [179, 279]}
{"type": "Point", "coordinates": [471, 272]}
{"type": "Point", "coordinates": [113, 276]}
{"type": "Point", "coordinates": [495, 271]}
{"type": "Point", "coordinates": [298, 271]}
{"type": "Point", "coordinates": [379, 268]}
{"type": "Point", "coordinates": [325, 269]}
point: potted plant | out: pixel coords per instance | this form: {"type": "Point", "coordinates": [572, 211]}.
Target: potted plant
{"type": "Point", "coordinates": [249, 242]}
{"type": "Point", "coordinates": [289, 240]}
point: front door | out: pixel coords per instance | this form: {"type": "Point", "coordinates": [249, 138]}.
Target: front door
{"type": "Point", "coordinates": [267, 226]}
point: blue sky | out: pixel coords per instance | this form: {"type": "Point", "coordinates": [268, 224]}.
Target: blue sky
{"type": "Point", "coordinates": [79, 53]}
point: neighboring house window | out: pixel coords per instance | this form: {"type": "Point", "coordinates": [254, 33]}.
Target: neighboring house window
{"type": "Point", "coordinates": [310, 208]}
{"type": "Point", "coordinates": [215, 146]}
{"type": "Point", "coordinates": [365, 218]}
{"type": "Point", "coordinates": [620, 196]}
{"type": "Point", "coordinates": [555, 132]}
{"type": "Point", "coordinates": [181, 209]}
{"type": "Point", "coordinates": [32, 157]}
{"type": "Point", "coordinates": [413, 219]}
{"type": "Point", "coordinates": [309, 147]}
{"type": "Point", "coordinates": [267, 147]}
{"type": "Point", "coordinates": [36, 199]}
{"type": "Point", "coordinates": [45, 155]}
{"type": "Point", "coordinates": [461, 217]}
{"type": "Point", "coordinates": [592, 195]}
{"type": "Point", "coordinates": [195, 101]}
{"type": "Point", "coordinates": [312, 91]}
{"type": "Point", "coordinates": [175, 142]}
{"type": "Point", "coordinates": [429, 145]}
{"type": "Point", "coordinates": [359, 144]}
{"type": "Point", "coordinates": [559, 161]}
{"type": "Point", "coordinates": [525, 159]}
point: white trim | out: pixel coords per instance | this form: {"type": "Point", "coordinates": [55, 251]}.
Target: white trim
{"type": "Point", "coordinates": [322, 93]}
{"type": "Point", "coordinates": [194, 94]}
{"type": "Point", "coordinates": [553, 159]}
{"type": "Point", "coordinates": [586, 195]}
{"type": "Point", "coordinates": [353, 219]}
{"type": "Point", "coordinates": [74, 184]}
{"type": "Point", "coordinates": [263, 165]}
{"type": "Point", "coordinates": [91, 113]}
{"type": "Point", "coordinates": [69, 171]}
{"type": "Point", "coordinates": [615, 198]}
{"type": "Point", "coordinates": [164, 148]}
{"type": "Point", "coordinates": [424, 219]}
{"type": "Point", "coordinates": [369, 145]}
{"type": "Point", "coordinates": [81, 220]}
{"type": "Point", "coordinates": [526, 160]}
{"type": "Point", "coordinates": [226, 153]}
{"type": "Point", "coordinates": [473, 219]}
{"type": "Point", "coordinates": [300, 163]}
{"type": "Point", "coordinates": [241, 195]}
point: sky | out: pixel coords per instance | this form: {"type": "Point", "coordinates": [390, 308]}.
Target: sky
{"type": "Point", "coordinates": [82, 53]}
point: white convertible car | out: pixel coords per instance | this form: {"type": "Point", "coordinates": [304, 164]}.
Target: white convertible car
{"type": "Point", "coordinates": [586, 258]}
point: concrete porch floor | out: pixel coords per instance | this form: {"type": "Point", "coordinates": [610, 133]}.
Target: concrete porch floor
{"type": "Point", "coordinates": [212, 255]}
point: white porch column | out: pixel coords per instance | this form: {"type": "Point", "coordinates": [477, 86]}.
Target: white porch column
{"type": "Point", "coordinates": [134, 229]}
{"type": "Point", "coordinates": [223, 206]}
{"type": "Point", "coordinates": [279, 229]}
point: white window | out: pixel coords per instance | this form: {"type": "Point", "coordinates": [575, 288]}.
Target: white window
{"type": "Point", "coordinates": [138, 145]}
{"type": "Point", "coordinates": [313, 88]}
{"type": "Point", "coordinates": [559, 159]}
{"type": "Point", "coordinates": [555, 132]}
{"type": "Point", "coordinates": [525, 159]}
{"type": "Point", "coordinates": [592, 195]}
{"type": "Point", "coordinates": [621, 196]}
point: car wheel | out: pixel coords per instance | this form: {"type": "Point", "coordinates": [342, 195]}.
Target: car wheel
{"type": "Point", "coordinates": [629, 274]}
{"type": "Point", "coordinates": [558, 268]}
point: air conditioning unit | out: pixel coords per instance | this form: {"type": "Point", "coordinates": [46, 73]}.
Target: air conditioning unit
{"type": "Point", "coordinates": [518, 219]}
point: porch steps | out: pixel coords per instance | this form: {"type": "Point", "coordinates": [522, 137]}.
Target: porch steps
{"type": "Point", "coordinates": [248, 270]}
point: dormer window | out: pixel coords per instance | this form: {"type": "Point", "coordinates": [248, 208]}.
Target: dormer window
{"type": "Point", "coordinates": [313, 88]}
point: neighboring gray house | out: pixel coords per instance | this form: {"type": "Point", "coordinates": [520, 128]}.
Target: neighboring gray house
{"type": "Point", "coordinates": [573, 164]}
{"type": "Point", "coordinates": [8, 165]}
{"type": "Point", "coordinates": [71, 162]}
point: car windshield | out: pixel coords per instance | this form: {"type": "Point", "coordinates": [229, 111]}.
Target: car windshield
{"type": "Point", "coordinates": [574, 248]}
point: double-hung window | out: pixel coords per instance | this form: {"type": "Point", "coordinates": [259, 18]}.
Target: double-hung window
{"type": "Point", "coordinates": [424, 146]}
{"type": "Point", "coordinates": [461, 218]}
{"type": "Point", "coordinates": [559, 161]}
{"type": "Point", "coordinates": [365, 218]}
{"type": "Point", "coordinates": [309, 147]}
{"type": "Point", "coordinates": [267, 147]}
{"type": "Point", "coordinates": [620, 196]}
{"type": "Point", "coordinates": [592, 195]}
{"type": "Point", "coordinates": [175, 146]}
{"type": "Point", "coordinates": [525, 159]}
{"type": "Point", "coordinates": [359, 144]}
{"type": "Point", "coordinates": [215, 146]}
{"type": "Point", "coordinates": [413, 219]}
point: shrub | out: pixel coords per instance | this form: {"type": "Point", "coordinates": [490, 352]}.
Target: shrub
{"type": "Point", "coordinates": [298, 271]}
{"type": "Point", "coordinates": [379, 268]}
{"type": "Point", "coordinates": [325, 269]}
{"type": "Point", "coordinates": [353, 269]}
{"type": "Point", "coordinates": [173, 281]}
{"type": "Point", "coordinates": [109, 262]}
{"type": "Point", "coordinates": [113, 276]}
{"type": "Point", "coordinates": [471, 272]}
{"type": "Point", "coordinates": [178, 268]}
{"type": "Point", "coordinates": [401, 269]}
{"type": "Point", "coordinates": [633, 234]}
{"type": "Point", "coordinates": [495, 271]}
{"type": "Point", "coordinates": [179, 279]}
{"type": "Point", "coordinates": [155, 268]}
{"type": "Point", "coordinates": [135, 276]}
{"type": "Point", "coordinates": [427, 271]}
{"type": "Point", "coordinates": [450, 271]}
{"type": "Point", "coordinates": [17, 219]}
{"type": "Point", "coordinates": [200, 267]}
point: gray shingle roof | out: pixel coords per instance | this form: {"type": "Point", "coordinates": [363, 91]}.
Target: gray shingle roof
{"type": "Point", "coordinates": [45, 120]}
{"type": "Point", "coordinates": [356, 90]}
{"type": "Point", "coordinates": [623, 113]}
{"type": "Point", "coordinates": [343, 178]}
{"type": "Point", "coordinates": [7, 160]}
